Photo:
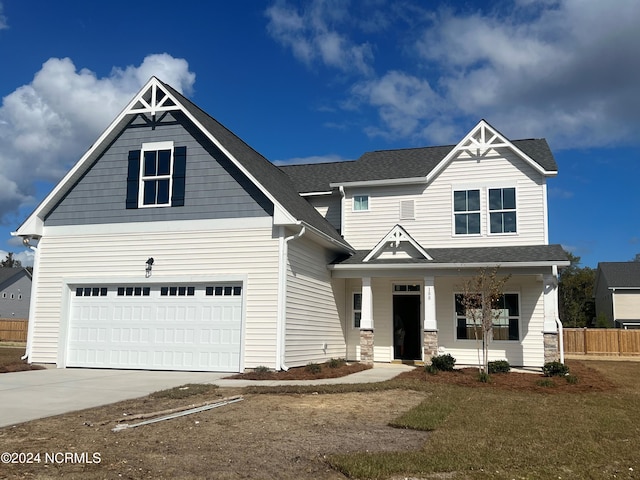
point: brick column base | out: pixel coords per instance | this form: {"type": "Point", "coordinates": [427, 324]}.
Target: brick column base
{"type": "Point", "coordinates": [551, 351]}
{"type": "Point", "coordinates": [430, 345]}
{"type": "Point", "coordinates": [366, 346]}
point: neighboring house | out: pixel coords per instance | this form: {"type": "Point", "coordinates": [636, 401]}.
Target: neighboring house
{"type": "Point", "coordinates": [172, 244]}
{"type": "Point", "coordinates": [617, 293]}
{"type": "Point", "coordinates": [15, 293]}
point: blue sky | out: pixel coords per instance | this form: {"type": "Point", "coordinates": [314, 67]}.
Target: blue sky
{"type": "Point", "coordinates": [330, 80]}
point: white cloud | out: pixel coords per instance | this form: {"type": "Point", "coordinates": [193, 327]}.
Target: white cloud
{"type": "Point", "coordinates": [3, 19]}
{"type": "Point", "coordinates": [563, 69]}
{"type": "Point", "coordinates": [45, 126]}
{"type": "Point", "coordinates": [25, 257]}
{"type": "Point", "coordinates": [312, 35]}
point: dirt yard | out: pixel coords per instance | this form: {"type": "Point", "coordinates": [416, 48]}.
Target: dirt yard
{"type": "Point", "coordinates": [264, 436]}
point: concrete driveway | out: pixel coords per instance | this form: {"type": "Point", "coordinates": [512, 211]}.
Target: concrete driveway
{"type": "Point", "coordinates": [36, 394]}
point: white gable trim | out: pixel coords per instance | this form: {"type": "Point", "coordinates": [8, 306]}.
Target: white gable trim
{"type": "Point", "coordinates": [482, 141]}
{"type": "Point", "coordinates": [396, 235]}
{"type": "Point", "coordinates": [140, 104]}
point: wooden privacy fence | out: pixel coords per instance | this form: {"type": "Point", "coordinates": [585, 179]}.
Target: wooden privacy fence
{"type": "Point", "coordinates": [601, 341]}
{"type": "Point", "coordinates": [13, 330]}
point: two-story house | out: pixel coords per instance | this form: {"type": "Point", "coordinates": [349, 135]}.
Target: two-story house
{"type": "Point", "coordinates": [172, 244]}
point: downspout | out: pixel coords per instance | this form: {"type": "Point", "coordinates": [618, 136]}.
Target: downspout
{"type": "Point", "coordinates": [32, 301]}
{"type": "Point", "coordinates": [342, 200]}
{"type": "Point", "coordinates": [282, 295]}
{"type": "Point", "coordinates": [557, 319]}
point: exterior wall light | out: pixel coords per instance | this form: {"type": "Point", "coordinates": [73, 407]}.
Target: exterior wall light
{"type": "Point", "coordinates": [147, 270]}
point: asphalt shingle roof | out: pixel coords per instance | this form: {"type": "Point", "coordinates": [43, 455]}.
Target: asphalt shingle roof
{"type": "Point", "coordinates": [620, 274]}
{"type": "Point", "coordinates": [474, 255]}
{"type": "Point", "coordinates": [276, 182]}
{"type": "Point", "coordinates": [391, 164]}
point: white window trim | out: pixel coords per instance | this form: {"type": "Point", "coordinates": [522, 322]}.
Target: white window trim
{"type": "Point", "coordinates": [155, 146]}
{"type": "Point", "coordinates": [353, 309]}
{"type": "Point", "coordinates": [353, 202]}
{"type": "Point", "coordinates": [453, 212]}
{"type": "Point", "coordinates": [500, 342]}
{"type": "Point", "coordinates": [489, 211]}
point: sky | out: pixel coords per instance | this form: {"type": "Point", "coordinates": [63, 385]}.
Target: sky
{"type": "Point", "coordinates": [328, 80]}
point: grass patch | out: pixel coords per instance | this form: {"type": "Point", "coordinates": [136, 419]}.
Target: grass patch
{"type": "Point", "coordinates": [490, 433]}
{"type": "Point", "coordinates": [427, 416]}
{"type": "Point", "coordinates": [185, 391]}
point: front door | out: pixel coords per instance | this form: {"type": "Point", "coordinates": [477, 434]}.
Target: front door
{"type": "Point", "coordinates": [406, 327]}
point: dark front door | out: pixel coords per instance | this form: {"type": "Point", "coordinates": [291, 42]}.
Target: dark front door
{"type": "Point", "coordinates": [406, 327]}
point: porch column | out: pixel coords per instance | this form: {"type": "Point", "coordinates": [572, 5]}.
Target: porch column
{"type": "Point", "coordinates": [550, 330]}
{"type": "Point", "coordinates": [366, 322]}
{"type": "Point", "coordinates": [430, 334]}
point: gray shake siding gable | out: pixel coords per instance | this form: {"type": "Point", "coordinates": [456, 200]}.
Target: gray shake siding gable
{"type": "Point", "coordinates": [215, 189]}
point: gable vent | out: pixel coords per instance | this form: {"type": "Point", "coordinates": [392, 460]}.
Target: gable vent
{"type": "Point", "coordinates": [407, 209]}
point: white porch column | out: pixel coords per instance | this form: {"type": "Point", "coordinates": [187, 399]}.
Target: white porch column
{"type": "Point", "coordinates": [430, 322]}
{"type": "Point", "coordinates": [366, 319]}
{"type": "Point", "coordinates": [430, 334]}
{"type": "Point", "coordinates": [366, 322]}
{"type": "Point", "coordinates": [552, 328]}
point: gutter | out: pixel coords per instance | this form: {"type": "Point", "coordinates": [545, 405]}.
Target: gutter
{"type": "Point", "coordinates": [281, 331]}
{"type": "Point", "coordinates": [34, 294]}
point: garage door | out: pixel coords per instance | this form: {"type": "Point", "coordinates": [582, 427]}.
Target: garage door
{"type": "Point", "coordinates": [157, 327]}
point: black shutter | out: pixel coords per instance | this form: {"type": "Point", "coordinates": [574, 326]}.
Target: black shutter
{"type": "Point", "coordinates": [179, 173]}
{"type": "Point", "coordinates": [133, 177]}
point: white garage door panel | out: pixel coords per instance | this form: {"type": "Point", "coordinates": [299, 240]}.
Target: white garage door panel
{"type": "Point", "coordinates": [195, 332]}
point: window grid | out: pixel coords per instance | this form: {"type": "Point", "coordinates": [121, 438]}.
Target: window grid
{"type": "Point", "coordinates": [360, 203]}
{"type": "Point", "coordinates": [156, 177]}
{"type": "Point", "coordinates": [505, 327]}
{"type": "Point", "coordinates": [91, 291]}
{"type": "Point", "coordinates": [466, 208]}
{"type": "Point", "coordinates": [502, 210]}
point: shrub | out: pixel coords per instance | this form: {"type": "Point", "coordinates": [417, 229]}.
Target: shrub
{"type": "Point", "coordinates": [336, 362]}
{"type": "Point", "coordinates": [484, 377]}
{"type": "Point", "coordinates": [555, 369]}
{"type": "Point", "coordinates": [313, 368]}
{"type": "Point", "coordinates": [444, 362]}
{"type": "Point", "coordinates": [572, 379]}
{"type": "Point", "coordinates": [545, 382]}
{"type": "Point", "coordinates": [499, 366]}
{"type": "Point", "coordinates": [431, 369]}
{"type": "Point", "coordinates": [261, 369]}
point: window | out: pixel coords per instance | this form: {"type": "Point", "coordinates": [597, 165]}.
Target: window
{"type": "Point", "coordinates": [360, 203]}
{"type": "Point", "coordinates": [91, 292]}
{"type": "Point", "coordinates": [134, 291]}
{"type": "Point", "coordinates": [357, 309]}
{"type": "Point", "coordinates": [505, 327]}
{"type": "Point", "coordinates": [466, 208]}
{"type": "Point", "coordinates": [502, 210]}
{"type": "Point", "coordinates": [156, 176]}
{"type": "Point", "coordinates": [218, 291]}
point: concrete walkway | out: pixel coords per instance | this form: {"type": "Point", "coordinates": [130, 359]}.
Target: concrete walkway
{"type": "Point", "coordinates": [34, 394]}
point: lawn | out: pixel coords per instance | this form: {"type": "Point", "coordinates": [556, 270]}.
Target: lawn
{"type": "Point", "coordinates": [419, 426]}
{"type": "Point", "coordinates": [500, 433]}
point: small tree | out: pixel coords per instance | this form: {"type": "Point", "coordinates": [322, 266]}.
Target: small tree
{"type": "Point", "coordinates": [480, 298]}
{"type": "Point", "coordinates": [10, 262]}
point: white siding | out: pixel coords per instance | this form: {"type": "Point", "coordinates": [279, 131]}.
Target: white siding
{"type": "Point", "coordinates": [315, 306]}
{"type": "Point", "coordinates": [212, 249]}
{"type": "Point", "coordinates": [627, 305]}
{"type": "Point", "coordinates": [433, 223]}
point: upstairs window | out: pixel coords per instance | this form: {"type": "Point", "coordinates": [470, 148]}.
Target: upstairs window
{"type": "Point", "coordinates": [466, 210]}
{"type": "Point", "coordinates": [360, 203]}
{"type": "Point", "coordinates": [156, 176]}
{"type": "Point", "coordinates": [502, 210]}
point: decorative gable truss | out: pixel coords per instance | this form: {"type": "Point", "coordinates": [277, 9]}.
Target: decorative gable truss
{"type": "Point", "coordinates": [397, 244]}
{"type": "Point", "coordinates": [484, 141]}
